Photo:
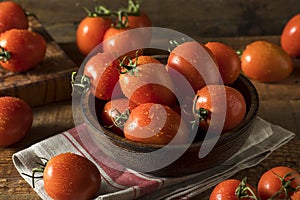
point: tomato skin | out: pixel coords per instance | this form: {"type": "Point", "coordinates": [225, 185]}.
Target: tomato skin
{"type": "Point", "coordinates": [14, 110]}
{"type": "Point", "coordinates": [124, 41]}
{"type": "Point", "coordinates": [69, 176]}
{"type": "Point", "coordinates": [110, 110]}
{"type": "Point", "coordinates": [151, 84]}
{"type": "Point", "coordinates": [139, 21]}
{"type": "Point", "coordinates": [269, 183]}
{"type": "Point", "coordinates": [26, 48]}
{"type": "Point", "coordinates": [296, 195]}
{"type": "Point", "coordinates": [12, 16]}
{"type": "Point", "coordinates": [235, 105]}
{"type": "Point", "coordinates": [229, 63]}
{"type": "Point", "coordinates": [104, 76]}
{"type": "Point", "coordinates": [90, 33]}
{"type": "Point", "coordinates": [203, 61]}
{"type": "Point", "coordinates": [290, 36]}
{"type": "Point", "coordinates": [225, 190]}
{"type": "Point", "coordinates": [155, 124]}
{"type": "Point", "coordinates": [266, 62]}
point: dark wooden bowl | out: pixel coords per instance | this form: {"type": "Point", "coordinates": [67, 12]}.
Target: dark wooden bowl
{"type": "Point", "coordinates": [137, 155]}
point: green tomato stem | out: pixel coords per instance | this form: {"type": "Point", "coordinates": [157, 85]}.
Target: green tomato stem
{"type": "Point", "coordinates": [4, 55]}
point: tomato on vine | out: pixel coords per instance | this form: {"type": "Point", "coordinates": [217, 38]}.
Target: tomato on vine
{"type": "Point", "coordinates": [91, 29]}
{"type": "Point", "coordinates": [145, 80]}
{"type": "Point", "coordinates": [21, 49]}
{"type": "Point", "coordinates": [233, 189]}
{"type": "Point", "coordinates": [235, 106]}
{"type": "Point", "coordinates": [69, 176]}
{"type": "Point", "coordinates": [115, 113]}
{"type": "Point", "coordinates": [278, 182]}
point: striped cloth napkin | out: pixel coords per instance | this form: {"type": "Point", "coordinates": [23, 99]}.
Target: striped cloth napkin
{"type": "Point", "coordinates": [128, 184]}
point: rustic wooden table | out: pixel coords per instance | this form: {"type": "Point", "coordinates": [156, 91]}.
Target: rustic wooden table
{"type": "Point", "coordinates": [279, 102]}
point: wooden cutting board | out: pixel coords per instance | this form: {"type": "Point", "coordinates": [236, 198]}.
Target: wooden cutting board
{"type": "Point", "coordinates": [49, 81]}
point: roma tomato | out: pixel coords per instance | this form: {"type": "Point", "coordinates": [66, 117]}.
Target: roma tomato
{"type": "Point", "coordinates": [123, 41]}
{"type": "Point", "coordinates": [21, 50]}
{"type": "Point", "coordinates": [16, 118]}
{"type": "Point", "coordinates": [290, 36]}
{"type": "Point", "coordinates": [266, 62]}
{"type": "Point", "coordinates": [12, 16]}
{"type": "Point", "coordinates": [138, 21]}
{"type": "Point", "coordinates": [232, 189]}
{"type": "Point", "coordinates": [90, 32]}
{"type": "Point", "coordinates": [208, 102]}
{"type": "Point", "coordinates": [69, 176]}
{"type": "Point", "coordinates": [155, 124]}
{"type": "Point", "coordinates": [115, 113]}
{"type": "Point", "coordinates": [147, 82]}
{"type": "Point", "coordinates": [229, 63]}
{"type": "Point", "coordinates": [273, 183]}
{"type": "Point", "coordinates": [102, 70]}
{"type": "Point", "coordinates": [195, 63]}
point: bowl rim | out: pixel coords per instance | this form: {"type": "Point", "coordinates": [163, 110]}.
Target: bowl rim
{"type": "Point", "coordinates": [248, 119]}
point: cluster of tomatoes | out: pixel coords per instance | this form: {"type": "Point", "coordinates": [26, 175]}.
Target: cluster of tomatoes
{"type": "Point", "coordinates": [103, 23]}
{"type": "Point", "coordinates": [20, 48]}
{"type": "Point", "coordinates": [280, 182]}
{"type": "Point", "coordinates": [146, 100]}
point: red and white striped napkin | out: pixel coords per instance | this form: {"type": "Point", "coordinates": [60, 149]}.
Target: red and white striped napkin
{"type": "Point", "coordinates": [128, 184]}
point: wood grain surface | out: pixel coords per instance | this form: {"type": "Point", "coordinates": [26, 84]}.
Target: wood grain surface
{"type": "Point", "coordinates": [233, 22]}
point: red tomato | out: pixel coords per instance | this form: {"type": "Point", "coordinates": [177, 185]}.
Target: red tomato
{"type": "Point", "coordinates": [14, 110]}
{"type": "Point", "coordinates": [12, 16]}
{"type": "Point", "coordinates": [138, 21]}
{"type": "Point", "coordinates": [104, 76]}
{"type": "Point", "coordinates": [266, 62]}
{"type": "Point", "coordinates": [229, 63]}
{"type": "Point", "coordinates": [235, 106]}
{"type": "Point", "coordinates": [90, 32]}
{"type": "Point", "coordinates": [273, 180]}
{"type": "Point", "coordinates": [21, 49]}
{"type": "Point", "coordinates": [227, 190]}
{"type": "Point", "coordinates": [296, 195]}
{"type": "Point", "coordinates": [148, 82]}
{"type": "Point", "coordinates": [124, 41]}
{"type": "Point", "coordinates": [68, 176]}
{"type": "Point", "coordinates": [155, 124]}
{"type": "Point", "coordinates": [196, 63]}
{"type": "Point", "coordinates": [115, 113]}
{"type": "Point", "coordinates": [290, 36]}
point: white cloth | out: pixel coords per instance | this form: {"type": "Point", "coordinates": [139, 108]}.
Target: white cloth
{"type": "Point", "coordinates": [128, 184]}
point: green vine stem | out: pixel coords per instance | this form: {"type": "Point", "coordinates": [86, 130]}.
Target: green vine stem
{"type": "Point", "coordinates": [80, 84]}
{"type": "Point", "coordinates": [4, 55]}
{"type": "Point", "coordinates": [131, 67]}
{"type": "Point", "coordinates": [243, 190]}
{"type": "Point", "coordinates": [100, 11]}
{"type": "Point", "coordinates": [120, 118]}
{"type": "Point", "coordinates": [37, 170]}
{"type": "Point", "coordinates": [201, 113]}
{"type": "Point", "coordinates": [286, 185]}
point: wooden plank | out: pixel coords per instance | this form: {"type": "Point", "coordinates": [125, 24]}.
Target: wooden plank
{"type": "Point", "coordinates": [48, 82]}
